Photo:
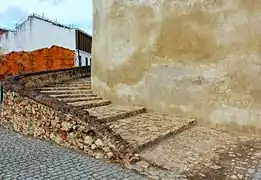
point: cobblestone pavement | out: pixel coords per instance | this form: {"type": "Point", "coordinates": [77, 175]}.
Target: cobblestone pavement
{"type": "Point", "coordinates": [239, 162]}
{"type": "Point", "coordinates": [182, 151]}
{"type": "Point", "coordinates": [26, 158]}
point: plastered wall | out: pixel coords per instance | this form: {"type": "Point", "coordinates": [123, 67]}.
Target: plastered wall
{"type": "Point", "coordinates": [56, 57]}
{"type": "Point", "coordinates": [199, 58]}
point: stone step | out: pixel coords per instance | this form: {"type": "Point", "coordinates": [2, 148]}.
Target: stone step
{"type": "Point", "coordinates": [68, 85]}
{"type": "Point", "coordinates": [113, 112]}
{"type": "Point", "coordinates": [181, 152]}
{"type": "Point", "coordinates": [147, 129]}
{"type": "Point", "coordinates": [78, 82]}
{"type": "Point", "coordinates": [55, 88]}
{"type": "Point", "coordinates": [79, 99]}
{"type": "Point", "coordinates": [90, 104]}
{"type": "Point", "coordinates": [61, 96]}
{"type": "Point", "coordinates": [56, 92]}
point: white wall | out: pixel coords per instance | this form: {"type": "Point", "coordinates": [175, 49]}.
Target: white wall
{"type": "Point", "coordinates": [83, 55]}
{"type": "Point", "coordinates": [36, 34]}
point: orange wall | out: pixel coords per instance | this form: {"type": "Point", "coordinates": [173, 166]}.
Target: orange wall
{"type": "Point", "coordinates": [39, 60]}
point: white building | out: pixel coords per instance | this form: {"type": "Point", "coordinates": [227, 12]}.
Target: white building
{"type": "Point", "coordinates": [36, 32]}
{"type": "Point", "coordinates": [2, 31]}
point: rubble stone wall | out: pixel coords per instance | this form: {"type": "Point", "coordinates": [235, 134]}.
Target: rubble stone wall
{"type": "Point", "coordinates": [31, 118]}
{"type": "Point", "coordinates": [33, 113]}
{"type": "Point", "coordinates": [56, 76]}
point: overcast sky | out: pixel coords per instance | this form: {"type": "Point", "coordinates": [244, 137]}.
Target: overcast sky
{"type": "Point", "coordinates": [76, 12]}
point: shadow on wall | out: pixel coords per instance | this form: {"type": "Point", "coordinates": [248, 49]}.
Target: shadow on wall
{"type": "Point", "coordinates": [56, 57]}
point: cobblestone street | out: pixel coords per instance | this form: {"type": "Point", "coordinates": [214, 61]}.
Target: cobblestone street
{"type": "Point", "coordinates": [26, 158]}
{"type": "Point", "coordinates": [240, 162]}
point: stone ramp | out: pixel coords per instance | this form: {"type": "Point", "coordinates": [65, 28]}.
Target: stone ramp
{"type": "Point", "coordinates": [181, 152]}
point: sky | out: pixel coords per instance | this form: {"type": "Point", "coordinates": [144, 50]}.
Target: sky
{"type": "Point", "coordinates": [75, 12]}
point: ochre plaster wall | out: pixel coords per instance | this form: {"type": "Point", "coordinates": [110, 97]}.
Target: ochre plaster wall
{"type": "Point", "coordinates": [199, 58]}
{"type": "Point", "coordinates": [44, 59]}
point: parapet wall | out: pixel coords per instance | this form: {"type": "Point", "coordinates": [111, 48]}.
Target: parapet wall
{"type": "Point", "coordinates": [190, 58]}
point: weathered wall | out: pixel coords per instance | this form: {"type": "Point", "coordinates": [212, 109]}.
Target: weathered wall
{"type": "Point", "coordinates": [29, 117]}
{"type": "Point", "coordinates": [34, 61]}
{"type": "Point", "coordinates": [192, 58]}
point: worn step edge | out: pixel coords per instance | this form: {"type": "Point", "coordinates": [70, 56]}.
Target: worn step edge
{"type": "Point", "coordinates": [91, 104]}
{"type": "Point", "coordinates": [87, 82]}
{"type": "Point", "coordinates": [56, 88]}
{"type": "Point", "coordinates": [121, 115]}
{"type": "Point", "coordinates": [68, 85]}
{"type": "Point", "coordinates": [157, 140]}
{"type": "Point", "coordinates": [60, 96]}
{"type": "Point", "coordinates": [80, 99]}
{"type": "Point", "coordinates": [77, 83]}
{"type": "Point", "coordinates": [67, 92]}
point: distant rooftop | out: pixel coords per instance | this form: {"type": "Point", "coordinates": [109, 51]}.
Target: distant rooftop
{"type": "Point", "coordinates": [42, 18]}
{"type": "Point", "coordinates": [5, 29]}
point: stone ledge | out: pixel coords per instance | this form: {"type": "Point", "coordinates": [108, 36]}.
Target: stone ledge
{"type": "Point", "coordinates": [39, 79]}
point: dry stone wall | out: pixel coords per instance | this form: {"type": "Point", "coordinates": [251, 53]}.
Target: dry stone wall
{"type": "Point", "coordinates": [55, 76]}
{"type": "Point", "coordinates": [31, 118]}
{"type": "Point", "coordinates": [32, 113]}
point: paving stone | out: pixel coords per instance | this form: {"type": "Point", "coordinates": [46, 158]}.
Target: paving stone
{"type": "Point", "coordinates": [148, 127]}
{"type": "Point", "coordinates": [245, 155]}
{"type": "Point", "coordinates": [257, 175]}
{"type": "Point", "coordinates": [182, 151]}
{"type": "Point", "coordinates": [45, 160]}
{"type": "Point", "coordinates": [251, 171]}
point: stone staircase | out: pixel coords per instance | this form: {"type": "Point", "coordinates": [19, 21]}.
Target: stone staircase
{"type": "Point", "coordinates": [78, 93]}
{"type": "Point", "coordinates": [172, 143]}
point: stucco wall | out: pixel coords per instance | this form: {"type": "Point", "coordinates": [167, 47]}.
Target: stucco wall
{"type": "Point", "coordinates": [36, 34]}
{"type": "Point", "coordinates": [84, 56]}
{"type": "Point", "coordinates": [191, 58]}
